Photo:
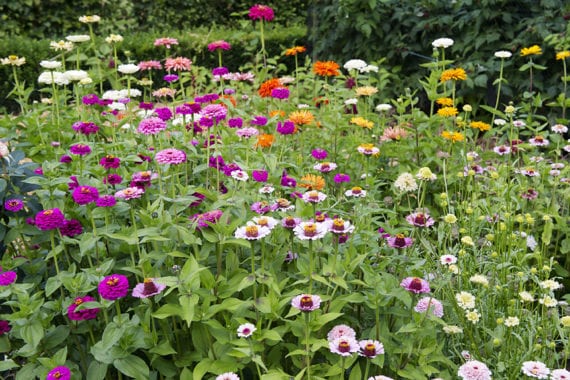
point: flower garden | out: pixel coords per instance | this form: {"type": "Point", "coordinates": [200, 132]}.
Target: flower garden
{"type": "Point", "coordinates": [166, 220]}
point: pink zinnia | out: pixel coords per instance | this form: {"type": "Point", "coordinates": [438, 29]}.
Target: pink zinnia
{"type": "Point", "coordinates": [204, 220]}
{"type": "Point", "coordinates": [429, 303]}
{"type": "Point", "coordinates": [7, 278]}
{"type": "Point", "coordinates": [306, 302]}
{"type": "Point", "coordinates": [557, 374]}
{"type": "Point", "coordinates": [148, 288]}
{"type": "Point", "coordinates": [178, 64]}
{"type": "Point", "coordinates": [474, 370]}
{"type": "Point", "coordinates": [151, 126]}
{"type": "Point", "coordinates": [83, 195]}
{"type": "Point", "coordinates": [106, 201]}
{"type": "Point", "coordinates": [170, 156]}
{"type": "Point", "coordinates": [80, 149]}
{"type": "Point", "coordinates": [83, 314]}
{"type": "Point", "coordinates": [129, 193]}
{"type": "Point", "coordinates": [113, 287]}
{"type": "Point", "coordinates": [415, 285]}
{"type": "Point", "coordinates": [13, 205]}
{"type": "Point", "coordinates": [165, 41]}
{"type": "Point", "coordinates": [344, 346]}
{"type": "Point", "coordinates": [221, 44]}
{"type": "Point", "coordinates": [399, 241]}
{"type": "Point", "coordinates": [535, 369]}
{"type": "Point", "coordinates": [49, 219]}
{"type": "Point", "coordinates": [59, 373]}
{"type": "Point", "coordinates": [340, 330]}
{"type": "Point", "coordinates": [150, 65]}
{"type": "Point", "coordinates": [261, 12]}
{"type": "Point", "coordinates": [420, 219]}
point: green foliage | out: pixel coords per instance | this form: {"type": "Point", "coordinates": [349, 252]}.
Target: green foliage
{"type": "Point", "coordinates": [402, 32]}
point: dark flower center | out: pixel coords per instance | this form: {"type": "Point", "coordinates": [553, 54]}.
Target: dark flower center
{"type": "Point", "coordinates": [344, 346]}
{"type": "Point", "coordinates": [251, 231]}
{"type": "Point", "coordinates": [306, 302]}
{"type": "Point", "coordinates": [149, 287]}
{"type": "Point", "coordinates": [416, 284]}
{"type": "Point", "coordinates": [310, 230]}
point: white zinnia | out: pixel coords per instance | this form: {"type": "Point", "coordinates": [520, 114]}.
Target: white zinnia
{"type": "Point", "coordinates": [129, 68]}
{"type": "Point", "coordinates": [355, 64]}
{"type": "Point", "coordinates": [50, 65]}
{"type": "Point", "coordinates": [442, 43]}
{"type": "Point", "coordinates": [75, 75]}
{"type": "Point", "coordinates": [503, 54]}
{"type": "Point", "coordinates": [383, 107]}
{"type": "Point", "coordinates": [78, 38]}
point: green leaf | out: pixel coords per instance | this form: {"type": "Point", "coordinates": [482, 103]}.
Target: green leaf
{"type": "Point", "coordinates": [188, 303]}
{"type": "Point", "coordinates": [32, 333]}
{"type": "Point", "coordinates": [201, 369]}
{"type": "Point", "coordinates": [7, 364]}
{"type": "Point", "coordinates": [168, 310]}
{"type": "Point", "coordinates": [163, 349]}
{"type": "Point", "coordinates": [133, 366]}
{"type": "Point", "coordinates": [52, 284]}
{"type": "Point", "coordinates": [239, 242]}
{"type": "Point", "coordinates": [97, 371]}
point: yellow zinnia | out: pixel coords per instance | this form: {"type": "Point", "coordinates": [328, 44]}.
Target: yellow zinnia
{"type": "Point", "coordinates": [562, 55]}
{"type": "Point", "coordinates": [362, 122]}
{"type": "Point", "coordinates": [453, 136]}
{"type": "Point", "coordinates": [453, 74]}
{"type": "Point", "coordinates": [480, 125]}
{"type": "Point", "coordinates": [447, 111]}
{"type": "Point", "coordinates": [533, 50]}
{"type": "Point", "coordinates": [366, 91]}
{"type": "Point", "coordinates": [446, 102]}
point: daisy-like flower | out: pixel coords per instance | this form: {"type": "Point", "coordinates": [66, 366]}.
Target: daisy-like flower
{"type": "Point", "coordinates": [61, 45]}
{"type": "Point", "coordinates": [129, 68]}
{"type": "Point", "coordinates": [472, 316]}
{"type": "Point", "coordinates": [465, 300]}
{"type": "Point", "coordinates": [550, 284]}
{"type": "Point", "coordinates": [178, 64]}
{"type": "Point", "coordinates": [370, 348]}
{"type": "Point", "coordinates": [533, 50]}
{"type": "Point", "coordinates": [246, 330]}
{"type": "Point", "coordinates": [502, 150]}
{"type": "Point", "coordinates": [310, 230]}
{"type": "Point", "coordinates": [344, 346]}
{"type": "Point", "coordinates": [148, 288]}
{"type": "Point", "coordinates": [354, 64]}
{"type": "Point", "coordinates": [420, 219]}
{"type": "Point", "coordinates": [538, 141]}
{"type": "Point", "coordinates": [442, 43]}
{"type": "Point", "coordinates": [560, 374]}
{"type": "Point", "coordinates": [239, 175]}
{"type": "Point", "coordinates": [340, 331]}
{"type": "Point", "coordinates": [219, 45]}
{"type": "Point", "coordinates": [326, 68]}
{"type": "Point", "coordinates": [284, 204]}
{"type": "Point", "coordinates": [252, 231]}
{"type": "Point", "coordinates": [113, 287]}
{"type": "Point", "coordinates": [265, 221]}
{"type": "Point", "coordinates": [503, 54]}
{"type": "Point", "coordinates": [325, 167]}
{"type": "Point", "coordinates": [247, 132]}
{"type": "Point", "coordinates": [406, 183]}
{"type": "Point", "coordinates": [129, 193]}
{"type": "Point", "coordinates": [314, 196]}
{"type": "Point", "coordinates": [13, 205]}
{"type": "Point", "coordinates": [559, 128]}
{"type": "Point", "coordinates": [267, 189]}
{"type": "Point", "coordinates": [170, 156]}
{"type": "Point", "coordinates": [306, 302]}
{"type": "Point", "coordinates": [261, 12]}
{"type": "Point", "coordinates": [415, 285]}
{"type": "Point", "coordinates": [113, 38]}
{"type": "Point", "coordinates": [356, 192]}
{"type": "Point", "coordinates": [166, 42]}
{"type": "Point", "coordinates": [548, 301]}
{"type": "Point", "coordinates": [526, 296]}
{"type": "Point", "coordinates": [447, 112]}
{"type": "Point", "coordinates": [530, 172]}
{"type": "Point", "coordinates": [474, 370]}
{"type": "Point", "coordinates": [429, 303]}
{"type": "Point", "coordinates": [393, 134]}
{"type": "Point", "coordinates": [452, 329]}
{"type": "Point", "coordinates": [77, 38]}
{"type": "Point", "coordinates": [448, 259]}
{"type": "Point", "coordinates": [312, 182]}
{"type": "Point", "coordinates": [227, 376]}
{"type": "Point", "coordinates": [479, 279]}
{"type": "Point", "coordinates": [59, 373]}
{"type": "Point", "coordinates": [339, 226]}
{"type": "Point", "coordinates": [368, 150]}
{"type": "Point", "coordinates": [511, 321]}
{"type": "Point", "coordinates": [399, 241]}
{"type": "Point", "coordinates": [535, 369]}
{"type": "Point", "coordinates": [454, 74]}
{"type": "Point", "coordinates": [290, 222]}
{"type": "Point", "coordinates": [365, 91]}
{"type": "Point", "coordinates": [295, 50]}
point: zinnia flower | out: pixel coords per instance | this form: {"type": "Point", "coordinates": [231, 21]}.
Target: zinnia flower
{"type": "Point", "coordinates": [151, 126]}
{"type": "Point", "coordinates": [295, 50]}
{"type": "Point", "coordinates": [312, 182]}
{"type": "Point", "coordinates": [326, 68]}
{"type": "Point", "coordinates": [420, 219]}
{"type": "Point", "coordinates": [13, 205]}
{"type": "Point", "coordinates": [430, 303]}
{"type": "Point", "coordinates": [310, 231]}
{"type": "Point", "coordinates": [306, 302]}
{"type": "Point", "coordinates": [170, 156]}
{"type": "Point", "coordinates": [265, 140]}
{"type": "Point", "coordinates": [49, 219]}
{"type": "Point", "coordinates": [560, 374]}
{"type": "Point", "coordinates": [447, 111]}
{"type": "Point", "coordinates": [268, 86]}
{"type": "Point", "coordinates": [474, 370]}
{"type": "Point", "coordinates": [227, 376]}
{"type": "Point", "coordinates": [533, 50]}
{"type": "Point", "coordinates": [178, 64]}
{"type": "Point", "coordinates": [83, 195]}
{"type": "Point", "coordinates": [453, 74]}
{"type": "Point", "coordinates": [246, 330]}
{"type": "Point", "coordinates": [370, 348]}
{"type": "Point", "coordinates": [59, 373]}
{"type": "Point", "coordinates": [535, 369]}
{"type": "Point", "coordinates": [344, 346]}
{"type": "Point", "coordinates": [339, 331]}
{"type": "Point", "coordinates": [83, 314]}
{"type": "Point", "coordinates": [415, 285]}
{"type": "Point", "coordinates": [148, 288]}
{"type": "Point", "coordinates": [7, 278]}
{"type": "Point", "coordinates": [261, 12]}
{"type": "Point", "coordinates": [71, 228]}
{"type": "Point", "coordinates": [113, 287]}
{"type": "Point", "coordinates": [221, 45]}
{"type": "Point", "coordinates": [252, 232]}
{"type": "Point", "coordinates": [165, 41]}
{"type": "Point", "coordinates": [301, 117]}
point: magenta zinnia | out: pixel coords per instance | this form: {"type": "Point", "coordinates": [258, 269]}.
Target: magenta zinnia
{"type": "Point", "coordinates": [113, 287]}
{"type": "Point", "coordinates": [59, 373]}
{"type": "Point", "coordinates": [83, 314]}
{"type": "Point", "coordinates": [261, 12]}
{"type": "Point", "coordinates": [83, 195]}
{"type": "Point", "coordinates": [49, 219]}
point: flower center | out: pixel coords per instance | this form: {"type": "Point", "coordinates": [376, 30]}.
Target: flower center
{"type": "Point", "coordinates": [356, 190]}
{"type": "Point", "coordinates": [85, 190]}
{"type": "Point", "coordinates": [320, 218]}
{"type": "Point", "coordinates": [282, 202]}
{"type": "Point", "coordinates": [290, 221]}
{"type": "Point", "coordinates": [369, 349]}
{"type": "Point", "coordinates": [149, 287]}
{"type": "Point", "coordinates": [263, 222]}
{"type": "Point", "coordinates": [306, 302]}
{"type": "Point", "coordinates": [344, 346]}
{"type": "Point", "coordinates": [310, 230]}
{"type": "Point", "coordinates": [48, 212]}
{"type": "Point", "coordinates": [78, 301]}
{"type": "Point", "coordinates": [57, 375]}
{"type": "Point", "coordinates": [416, 284]}
{"type": "Point", "coordinates": [338, 225]}
{"type": "Point", "coordinates": [400, 240]}
{"type": "Point", "coordinates": [246, 331]}
{"type": "Point", "coordinates": [112, 281]}
{"type": "Point", "coordinates": [313, 195]}
{"type": "Point", "coordinates": [420, 219]}
{"type": "Point", "coordinates": [251, 231]}
{"type": "Point", "coordinates": [325, 166]}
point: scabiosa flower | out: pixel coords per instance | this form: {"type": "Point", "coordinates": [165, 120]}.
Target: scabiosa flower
{"type": "Point", "coordinates": [49, 219]}
{"type": "Point", "coordinates": [430, 303]}
{"type": "Point", "coordinates": [314, 196]}
{"type": "Point", "coordinates": [474, 370]}
{"type": "Point", "coordinates": [420, 219]}
{"type": "Point", "coordinates": [465, 300]}
{"type": "Point", "coordinates": [246, 330]}
{"type": "Point", "coordinates": [286, 128]}
{"type": "Point", "coordinates": [71, 228]}
{"type": "Point", "coordinates": [310, 231]}
{"type": "Point", "coordinates": [151, 126]}
{"type": "Point", "coordinates": [325, 167]}
{"type": "Point", "coordinates": [251, 231]}
{"type": "Point", "coordinates": [370, 348]}
{"type": "Point", "coordinates": [113, 287]}
{"type": "Point", "coordinates": [319, 154]}
{"type": "Point", "coordinates": [340, 331]}
{"type": "Point", "coordinates": [7, 278]}
{"type": "Point", "coordinates": [80, 149]}
{"type": "Point", "coordinates": [339, 226]}
{"type": "Point", "coordinates": [227, 376]}
{"type": "Point", "coordinates": [535, 369]}
{"type": "Point", "coordinates": [110, 162]}
{"type": "Point", "coordinates": [415, 285]}
{"type": "Point", "coordinates": [356, 192]}
{"type": "Point", "coordinates": [129, 193]}
{"type": "Point", "coordinates": [261, 12]}
{"type": "Point", "coordinates": [399, 241]}
{"type": "Point", "coordinates": [425, 174]}
{"type": "Point", "coordinates": [306, 302]}
{"type": "Point", "coordinates": [148, 288]}
{"type": "Point", "coordinates": [344, 346]}
{"type": "Point", "coordinates": [83, 195]}
{"type": "Point", "coordinates": [83, 314]}
{"type": "Point", "coordinates": [59, 373]}
{"type": "Point", "coordinates": [406, 183]}
{"type": "Point", "coordinates": [13, 204]}
{"type": "Point", "coordinates": [170, 156]}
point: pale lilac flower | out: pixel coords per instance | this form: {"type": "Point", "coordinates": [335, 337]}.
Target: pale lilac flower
{"type": "Point", "coordinates": [399, 241]}
{"type": "Point", "coordinates": [380, 377]}
{"type": "Point", "coordinates": [420, 219]}
{"type": "Point", "coordinates": [306, 302]}
{"type": "Point", "coordinates": [129, 193]}
{"type": "Point", "coordinates": [151, 126]}
{"type": "Point", "coordinates": [339, 331]}
{"type": "Point", "coordinates": [539, 141]}
{"type": "Point", "coordinates": [474, 370]}
{"type": "Point", "coordinates": [266, 221]}
{"type": "Point", "coordinates": [246, 330]}
{"type": "Point", "coordinates": [266, 189]}
{"type": "Point", "coordinates": [314, 196]}
{"type": "Point", "coordinates": [430, 303]}
{"type": "Point", "coordinates": [415, 285]}
{"type": "Point", "coordinates": [502, 150]}
{"type": "Point", "coordinates": [344, 346]}
{"type": "Point", "coordinates": [339, 226]}
{"type": "Point", "coordinates": [370, 348]}
{"type": "Point", "coordinates": [535, 369]}
{"type": "Point", "coordinates": [325, 167]}
{"type": "Point", "coordinates": [356, 192]}
{"type": "Point", "coordinates": [239, 175]}
{"type": "Point", "coordinates": [560, 374]}
{"type": "Point", "coordinates": [247, 132]}
{"type": "Point", "coordinates": [290, 222]}
{"type": "Point", "coordinates": [310, 231]}
{"type": "Point", "coordinates": [559, 128]}
{"type": "Point", "coordinates": [448, 259]}
{"type": "Point", "coordinates": [252, 231]}
{"type": "Point", "coordinates": [519, 123]}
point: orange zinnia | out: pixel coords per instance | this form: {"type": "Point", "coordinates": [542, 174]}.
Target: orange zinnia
{"type": "Point", "coordinates": [312, 182]}
{"type": "Point", "coordinates": [301, 117]}
{"type": "Point", "coordinates": [453, 74]}
{"type": "Point", "coordinates": [326, 68]}
{"type": "Point", "coordinates": [295, 50]}
{"type": "Point", "coordinates": [279, 113]}
{"type": "Point", "coordinates": [264, 140]}
{"type": "Point", "coordinates": [267, 86]}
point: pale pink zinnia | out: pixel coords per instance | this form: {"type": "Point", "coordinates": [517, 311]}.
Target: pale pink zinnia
{"type": "Point", "coordinates": [246, 330]}
{"type": "Point", "coordinates": [560, 374]}
{"type": "Point", "coordinates": [165, 41]}
{"type": "Point", "coordinates": [429, 303]}
{"type": "Point", "coordinates": [178, 64]}
{"type": "Point", "coordinates": [340, 330]}
{"type": "Point", "coordinates": [306, 302]}
{"type": "Point", "coordinates": [344, 346]}
{"type": "Point", "coordinates": [370, 348]}
{"type": "Point", "coordinates": [420, 219]}
{"type": "Point", "coordinates": [150, 65]}
{"type": "Point", "coordinates": [415, 285]}
{"type": "Point", "coordinates": [170, 156]}
{"type": "Point", "coordinates": [535, 369]}
{"type": "Point", "coordinates": [474, 370]}
{"type": "Point", "coordinates": [151, 126]}
{"type": "Point", "coordinates": [252, 231]}
{"type": "Point", "coordinates": [148, 288]}
{"type": "Point", "coordinates": [129, 193]}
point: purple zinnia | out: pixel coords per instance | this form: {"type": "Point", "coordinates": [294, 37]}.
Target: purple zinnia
{"type": "Point", "coordinates": [221, 44]}
{"type": "Point", "coordinates": [235, 122]}
{"type": "Point", "coordinates": [113, 287]}
{"type": "Point", "coordinates": [151, 126]}
{"type": "Point", "coordinates": [188, 109]}
{"type": "Point", "coordinates": [319, 154]}
{"type": "Point", "coordinates": [129, 193]}
{"type": "Point", "coordinates": [170, 78]}
{"type": "Point", "coordinates": [146, 106]}
{"type": "Point", "coordinates": [286, 128]}
{"type": "Point", "coordinates": [287, 181]}
{"type": "Point", "coordinates": [49, 219]}
{"type": "Point", "coordinates": [213, 112]}
{"type": "Point", "coordinates": [204, 220]}
{"type": "Point", "coordinates": [110, 162]}
{"type": "Point", "coordinates": [65, 159]}
{"type": "Point", "coordinates": [106, 201]}
{"type": "Point", "coordinates": [170, 156]}
{"type": "Point", "coordinates": [71, 228]}
{"type": "Point", "coordinates": [85, 127]}
{"type": "Point", "coordinates": [13, 205]}
{"type": "Point", "coordinates": [260, 175]}
{"type": "Point", "coordinates": [80, 149]}
{"type": "Point", "coordinates": [429, 303]}
{"type": "Point", "coordinates": [229, 168]}
{"type": "Point", "coordinates": [415, 285]}
{"type": "Point", "coordinates": [7, 278]}
{"type": "Point", "coordinates": [83, 314]}
{"type": "Point", "coordinates": [4, 327]}
{"type": "Point", "coordinates": [259, 120]}
{"type": "Point", "coordinates": [59, 373]}
{"type": "Point", "coordinates": [341, 177]}
{"type": "Point", "coordinates": [113, 179]}
{"type": "Point", "coordinates": [420, 219]}
{"type": "Point", "coordinates": [83, 195]}
{"type": "Point", "coordinates": [163, 113]}
{"type": "Point", "coordinates": [219, 71]}
{"type": "Point", "coordinates": [280, 93]}
{"type": "Point", "coordinates": [90, 99]}
{"type": "Point", "coordinates": [216, 162]}
{"type": "Point", "coordinates": [148, 288]}
{"type": "Point", "coordinates": [199, 199]}
{"type": "Point", "coordinates": [142, 179]}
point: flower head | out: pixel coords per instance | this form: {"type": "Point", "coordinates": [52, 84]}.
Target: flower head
{"type": "Point", "coordinates": [49, 219]}
{"type": "Point", "coordinates": [420, 219]}
{"type": "Point", "coordinates": [370, 348]}
{"type": "Point", "coordinates": [178, 64]}
{"type": "Point", "coordinates": [148, 288]}
{"type": "Point", "coordinates": [166, 42]}
{"type": "Point", "coordinates": [295, 50]}
{"type": "Point", "coordinates": [326, 68]}
{"type": "Point", "coordinates": [82, 314]}
{"type": "Point", "coordinates": [310, 230]}
{"type": "Point", "coordinates": [344, 346]}
{"type": "Point", "coordinates": [7, 278]}
{"type": "Point", "coordinates": [474, 370]}
{"type": "Point", "coordinates": [59, 373]}
{"type": "Point", "coordinates": [442, 43]}
{"type": "Point", "coordinates": [261, 12]}
{"type": "Point", "coordinates": [399, 241]}
{"type": "Point", "coordinates": [13, 204]}
{"type": "Point", "coordinates": [453, 74]}
{"type": "Point", "coordinates": [83, 195]}
{"type": "Point", "coordinates": [312, 182]}
{"type": "Point", "coordinates": [533, 50]}
{"type": "Point", "coordinates": [406, 183]}
{"type": "Point", "coordinates": [339, 331]}
{"type": "Point", "coordinates": [535, 369]}
{"type": "Point", "coordinates": [170, 156]}
{"type": "Point", "coordinates": [415, 285]}
{"type": "Point", "coordinates": [219, 45]}
{"type": "Point", "coordinates": [306, 302]}
{"type": "Point", "coordinates": [252, 231]}
{"type": "Point", "coordinates": [246, 330]}
{"type": "Point", "coordinates": [113, 287]}
{"type": "Point", "coordinates": [429, 303]}
{"type": "Point", "coordinates": [560, 374]}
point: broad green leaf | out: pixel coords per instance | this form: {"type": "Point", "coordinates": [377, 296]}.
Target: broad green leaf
{"type": "Point", "coordinates": [96, 371]}
{"type": "Point", "coordinates": [133, 366]}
